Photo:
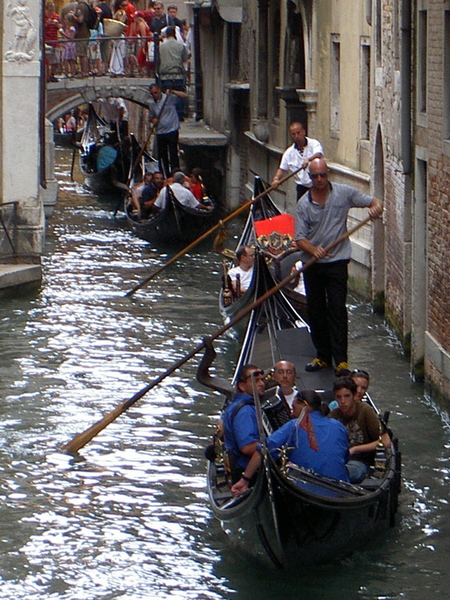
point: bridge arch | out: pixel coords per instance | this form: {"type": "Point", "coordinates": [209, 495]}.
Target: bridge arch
{"type": "Point", "coordinates": [66, 95]}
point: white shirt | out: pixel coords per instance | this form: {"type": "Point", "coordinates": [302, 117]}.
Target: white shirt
{"type": "Point", "coordinates": [300, 287]}
{"type": "Point", "coordinates": [293, 158]}
{"type": "Point", "coordinates": [290, 397]}
{"type": "Point", "coordinates": [182, 194]}
{"type": "Point", "coordinates": [244, 276]}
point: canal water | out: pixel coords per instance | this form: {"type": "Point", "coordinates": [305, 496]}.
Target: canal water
{"type": "Point", "coordinates": [130, 518]}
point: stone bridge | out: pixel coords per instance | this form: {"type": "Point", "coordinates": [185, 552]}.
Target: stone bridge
{"type": "Point", "coordinates": [67, 94]}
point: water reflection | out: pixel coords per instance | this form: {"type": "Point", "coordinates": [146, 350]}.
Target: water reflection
{"type": "Point", "coordinates": [129, 518]}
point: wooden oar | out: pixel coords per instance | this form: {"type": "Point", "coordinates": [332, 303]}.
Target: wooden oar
{"type": "Point", "coordinates": [126, 186]}
{"type": "Point", "coordinates": [73, 163]}
{"type": "Point", "coordinates": [265, 461]}
{"type": "Point", "coordinates": [83, 438]}
{"type": "Point", "coordinates": [207, 233]}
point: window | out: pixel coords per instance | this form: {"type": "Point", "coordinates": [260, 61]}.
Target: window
{"type": "Point", "coordinates": [275, 62]}
{"type": "Point", "coordinates": [446, 75]}
{"type": "Point", "coordinates": [335, 84]}
{"type": "Point", "coordinates": [422, 61]}
{"type": "Point", "coordinates": [365, 89]}
{"type": "Point", "coordinates": [378, 31]}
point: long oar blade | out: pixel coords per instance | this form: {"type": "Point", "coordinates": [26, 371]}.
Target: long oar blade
{"type": "Point", "coordinates": [83, 438]}
{"type": "Point", "coordinates": [207, 233]}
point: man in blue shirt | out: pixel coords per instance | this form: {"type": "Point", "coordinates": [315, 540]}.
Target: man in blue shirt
{"type": "Point", "coordinates": [106, 155]}
{"type": "Point", "coordinates": [311, 440]}
{"type": "Point", "coordinates": [239, 420]}
{"type": "Point", "coordinates": [164, 118]}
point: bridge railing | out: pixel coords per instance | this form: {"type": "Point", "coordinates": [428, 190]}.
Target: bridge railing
{"type": "Point", "coordinates": [107, 57]}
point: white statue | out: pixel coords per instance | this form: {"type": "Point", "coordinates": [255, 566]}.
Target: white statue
{"type": "Point", "coordinates": [24, 32]}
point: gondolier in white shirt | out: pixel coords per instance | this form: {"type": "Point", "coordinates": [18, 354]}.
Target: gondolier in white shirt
{"type": "Point", "coordinates": [299, 155]}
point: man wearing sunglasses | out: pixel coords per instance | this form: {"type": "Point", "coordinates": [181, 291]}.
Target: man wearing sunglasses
{"type": "Point", "coordinates": [321, 218]}
{"type": "Point", "coordinates": [239, 420]}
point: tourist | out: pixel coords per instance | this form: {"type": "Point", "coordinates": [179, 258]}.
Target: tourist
{"type": "Point", "coordinates": [362, 380]}
{"type": "Point", "coordinates": [180, 192]}
{"type": "Point", "coordinates": [52, 26]}
{"type": "Point", "coordinates": [160, 20]}
{"type": "Point", "coordinates": [241, 434]}
{"type": "Point", "coordinates": [82, 36]}
{"type": "Point", "coordinates": [310, 440]}
{"type": "Point", "coordinates": [241, 275]}
{"type": "Point", "coordinates": [297, 156]}
{"type": "Point", "coordinates": [107, 154]}
{"type": "Point", "coordinates": [362, 424]}
{"type": "Point", "coordinates": [150, 194]}
{"type": "Point", "coordinates": [171, 71]}
{"type": "Point", "coordinates": [326, 279]}
{"type": "Point", "coordinates": [285, 375]}
{"type": "Point", "coordinates": [69, 50]}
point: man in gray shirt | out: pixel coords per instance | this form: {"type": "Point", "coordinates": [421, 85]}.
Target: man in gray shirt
{"type": "Point", "coordinates": [164, 117]}
{"type": "Point", "coordinates": [321, 218]}
{"type": "Point", "coordinates": [172, 57]}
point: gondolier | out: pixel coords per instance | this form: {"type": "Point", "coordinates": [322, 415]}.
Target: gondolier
{"type": "Point", "coordinates": [321, 217]}
{"type": "Point", "coordinates": [297, 156]}
{"type": "Point", "coordinates": [164, 117]}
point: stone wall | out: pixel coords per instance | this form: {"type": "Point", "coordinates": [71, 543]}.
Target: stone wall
{"type": "Point", "coordinates": [22, 131]}
{"type": "Point", "coordinates": [432, 130]}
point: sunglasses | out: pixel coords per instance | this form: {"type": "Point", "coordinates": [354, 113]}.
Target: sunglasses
{"type": "Point", "coordinates": [253, 374]}
{"type": "Point", "coordinates": [360, 372]}
{"type": "Point", "coordinates": [316, 175]}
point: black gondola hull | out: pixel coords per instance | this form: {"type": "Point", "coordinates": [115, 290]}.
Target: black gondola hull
{"type": "Point", "coordinates": [292, 517]}
{"type": "Point", "coordinates": [175, 225]}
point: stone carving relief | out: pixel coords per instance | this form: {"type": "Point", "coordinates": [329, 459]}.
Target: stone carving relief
{"type": "Point", "coordinates": [23, 47]}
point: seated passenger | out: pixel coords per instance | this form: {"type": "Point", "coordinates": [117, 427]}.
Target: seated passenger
{"type": "Point", "coordinates": [285, 375]}
{"type": "Point", "coordinates": [107, 154]}
{"type": "Point", "coordinates": [241, 275]}
{"type": "Point", "coordinates": [150, 194]}
{"type": "Point", "coordinates": [362, 424]}
{"type": "Point", "coordinates": [241, 434]}
{"type": "Point", "coordinates": [311, 440]}
{"type": "Point", "coordinates": [181, 193]}
{"type": "Point", "coordinates": [197, 187]}
{"type": "Point", "coordinates": [137, 191]}
{"type": "Point", "coordinates": [362, 380]}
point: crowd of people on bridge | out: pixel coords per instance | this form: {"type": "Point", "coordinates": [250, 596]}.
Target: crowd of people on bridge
{"type": "Point", "coordinates": [114, 38]}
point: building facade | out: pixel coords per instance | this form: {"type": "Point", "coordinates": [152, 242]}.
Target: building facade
{"type": "Point", "coordinates": [371, 81]}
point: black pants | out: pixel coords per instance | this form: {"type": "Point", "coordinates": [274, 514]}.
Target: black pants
{"type": "Point", "coordinates": [326, 293]}
{"type": "Point", "coordinates": [167, 144]}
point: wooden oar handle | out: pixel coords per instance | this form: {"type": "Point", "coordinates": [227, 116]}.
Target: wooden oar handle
{"type": "Point", "coordinates": [83, 438]}
{"type": "Point", "coordinates": [207, 233]}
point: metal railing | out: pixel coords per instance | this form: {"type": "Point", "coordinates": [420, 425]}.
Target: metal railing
{"type": "Point", "coordinates": [106, 57]}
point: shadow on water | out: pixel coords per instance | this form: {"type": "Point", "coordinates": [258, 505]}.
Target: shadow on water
{"type": "Point", "coordinates": [129, 518]}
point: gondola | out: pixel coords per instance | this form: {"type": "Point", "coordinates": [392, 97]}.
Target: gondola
{"type": "Point", "coordinates": [276, 246]}
{"type": "Point", "coordinates": [292, 517]}
{"type": "Point", "coordinates": [115, 179]}
{"type": "Point", "coordinates": [175, 225]}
